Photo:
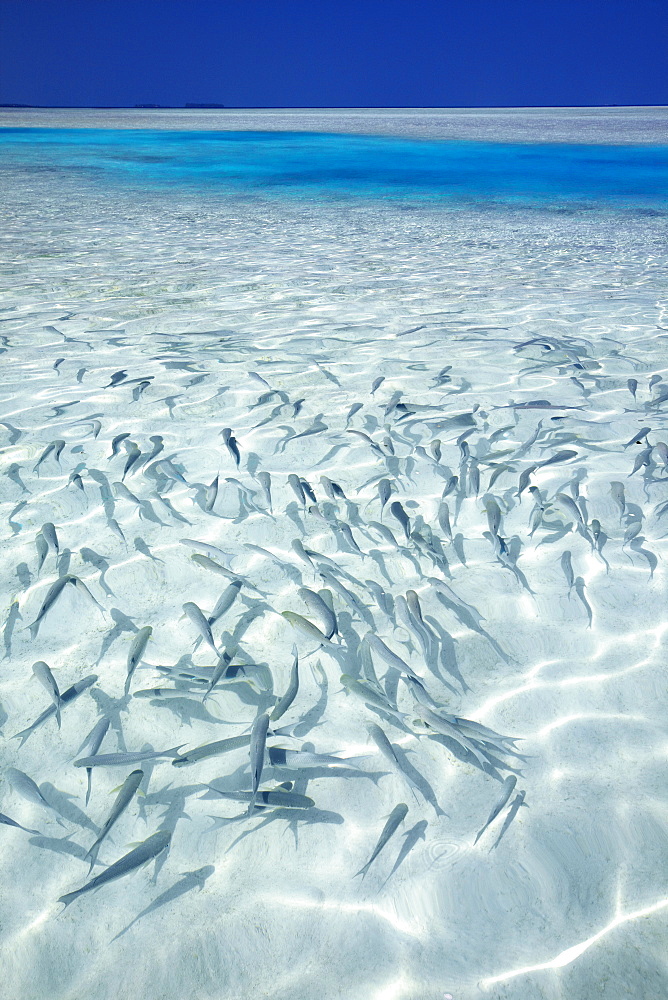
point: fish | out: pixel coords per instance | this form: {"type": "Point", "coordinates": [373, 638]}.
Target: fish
{"type": "Point", "coordinates": [370, 696]}
{"type": "Point", "coordinates": [355, 408]}
{"type": "Point", "coordinates": [123, 759]}
{"type": "Point", "coordinates": [116, 444]}
{"type": "Point", "coordinates": [567, 567]}
{"type": "Point", "coordinates": [136, 653]}
{"type": "Point", "coordinates": [332, 489]}
{"type": "Point", "coordinates": [138, 856]}
{"type": "Point", "coordinates": [402, 517]}
{"type": "Point", "coordinates": [53, 593]}
{"type": "Point", "coordinates": [278, 797]}
{"type": "Point", "coordinates": [27, 789]}
{"type": "Point", "coordinates": [318, 607]}
{"type": "Point", "coordinates": [231, 444]}
{"type": "Point", "coordinates": [308, 629]}
{"type": "Point", "coordinates": [134, 454]}
{"type": "Point", "coordinates": [515, 805]}
{"type": "Point", "coordinates": [264, 479]}
{"type": "Point", "coordinates": [212, 551]}
{"type": "Point", "coordinates": [219, 671]}
{"type": "Point", "coordinates": [396, 817]}
{"type": "Point", "coordinates": [8, 821]}
{"type": "Point", "coordinates": [580, 591]}
{"type": "Point", "coordinates": [298, 759]}
{"type": "Point", "coordinates": [560, 456]}
{"type": "Point", "coordinates": [67, 696]}
{"type": "Point", "coordinates": [211, 750]}
{"type": "Point", "coordinates": [387, 750]}
{"type": "Point", "coordinates": [295, 484]}
{"type": "Point", "coordinates": [507, 790]}
{"type": "Point", "coordinates": [206, 563]}
{"type": "Point", "coordinates": [42, 672]}
{"type": "Point", "coordinates": [123, 799]}
{"type": "Point", "coordinates": [617, 493]}
{"type": "Point", "coordinates": [638, 437]}
{"type": "Point", "coordinates": [225, 601]}
{"type": "Point", "coordinates": [283, 704]}
{"type": "Point", "coordinates": [257, 747]}
{"type": "Point", "coordinates": [377, 382]}
{"type": "Point", "coordinates": [48, 533]}
{"type": "Point", "coordinates": [93, 743]}
{"type": "Point", "coordinates": [201, 624]}
{"type": "Point", "coordinates": [391, 658]}
{"type": "Point", "coordinates": [365, 437]}
{"type": "Point", "coordinates": [56, 447]}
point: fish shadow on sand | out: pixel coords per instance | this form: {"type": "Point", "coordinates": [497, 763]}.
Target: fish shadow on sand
{"type": "Point", "coordinates": [190, 880]}
{"type": "Point", "coordinates": [64, 846]}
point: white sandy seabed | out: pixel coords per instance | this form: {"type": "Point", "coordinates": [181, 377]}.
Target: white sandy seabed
{"type": "Point", "coordinates": [320, 300]}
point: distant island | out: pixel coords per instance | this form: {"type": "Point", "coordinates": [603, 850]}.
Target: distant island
{"type": "Point", "coordinates": [116, 107]}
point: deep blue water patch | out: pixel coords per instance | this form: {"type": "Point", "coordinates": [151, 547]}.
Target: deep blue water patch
{"type": "Point", "coordinates": [289, 164]}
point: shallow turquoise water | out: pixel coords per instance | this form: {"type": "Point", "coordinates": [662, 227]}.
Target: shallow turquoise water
{"type": "Point", "coordinates": [304, 164]}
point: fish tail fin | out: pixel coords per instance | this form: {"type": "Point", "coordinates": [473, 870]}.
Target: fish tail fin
{"type": "Point", "coordinates": [363, 870]}
{"type": "Point", "coordinates": [68, 898]}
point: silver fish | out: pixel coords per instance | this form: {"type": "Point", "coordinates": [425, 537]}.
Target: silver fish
{"type": "Point", "coordinates": [8, 821]}
{"type": "Point", "coordinates": [219, 671]}
{"type": "Point", "coordinates": [283, 704]}
{"type": "Point", "coordinates": [257, 747]}
{"type": "Point", "coordinates": [69, 695]}
{"type": "Point", "coordinates": [53, 593]}
{"type": "Point", "coordinates": [370, 695]}
{"type": "Point", "coordinates": [42, 672]}
{"type": "Point", "coordinates": [308, 629]}
{"type": "Point", "coordinates": [123, 799]}
{"type": "Point", "coordinates": [387, 750]}
{"type": "Point", "coordinates": [135, 858]}
{"type": "Point", "coordinates": [567, 567]}
{"type": "Point", "coordinates": [27, 789]}
{"type": "Point", "coordinates": [136, 653]}
{"type": "Point", "coordinates": [122, 759]}
{"type": "Point", "coordinates": [211, 494]}
{"type": "Point", "coordinates": [264, 479]}
{"type": "Point", "coordinates": [298, 759]}
{"type": "Point", "coordinates": [42, 550]}
{"type": "Point", "coordinates": [201, 624]}
{"type": "Point", "coordinates": [272, 797]}
{"type": "Point", "coordinates": [318, 607]}
{"type": "Point", "coordinates": [225, 601]}
{"type": "Point", "coordinates": [396, 817]}
{"type": "Point", "coordinates": [211, 750]}
{"type": "Point", "coordinates": [93, 743]}
{"type": "Point", "coordinates": [295, 483]}
{"type": "Point", "coordinates": [391, 658]}
{"type": "Point", "coordinates": [49, 534]}
{"type": "Point", "coordinates": [401, 516]}
{"type": "Point", "coordinates": [507, 791]}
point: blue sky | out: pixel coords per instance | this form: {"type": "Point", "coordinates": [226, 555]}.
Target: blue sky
{"type": "Point", "coordinates": [321, 53]}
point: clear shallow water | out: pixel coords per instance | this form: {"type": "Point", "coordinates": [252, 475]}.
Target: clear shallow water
{"type": "Point", "coordinates": [345, 165]}
{"type": "Point", "coordinates": [191, 289]}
